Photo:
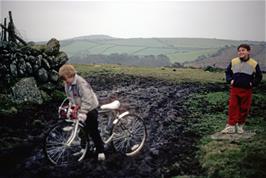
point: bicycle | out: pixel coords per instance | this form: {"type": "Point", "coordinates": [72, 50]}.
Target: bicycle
{"type": "Point", "coordinates": [126, 131]}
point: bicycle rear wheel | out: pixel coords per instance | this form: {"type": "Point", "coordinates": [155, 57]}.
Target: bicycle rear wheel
{"type": "Point", "coordinates": [129, 135]}
{"type": "Point", "coordinates": [56, 149]}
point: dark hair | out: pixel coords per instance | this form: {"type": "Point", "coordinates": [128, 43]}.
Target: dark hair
{"type": "Point", "coordinates": [246, 46]}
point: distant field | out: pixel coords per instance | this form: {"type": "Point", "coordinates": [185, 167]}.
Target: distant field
{"type": "Point", "coordinates": [176, 49]}
{"type": "Point", "coordinates": [191, 55]}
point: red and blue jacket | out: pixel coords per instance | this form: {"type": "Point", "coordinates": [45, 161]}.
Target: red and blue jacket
{"type": "Point", "coordinates": [245, 73]}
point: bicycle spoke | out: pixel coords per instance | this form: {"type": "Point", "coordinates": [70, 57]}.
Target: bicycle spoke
{"type": "Point", "coordinates": [121, 146]}
{"type": "Point", "coordinates": [60, 155]}
{"type": "Point", "coordinates": [54, 154]}
{"type": "Point", "coordinates": [53, 144]}
{"type": "Point", "coordinates": [119, 137]}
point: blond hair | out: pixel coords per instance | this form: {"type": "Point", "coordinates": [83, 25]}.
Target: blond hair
{"type": "Point", "coordinates": [67, 71]}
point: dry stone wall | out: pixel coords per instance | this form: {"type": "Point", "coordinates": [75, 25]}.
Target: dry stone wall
{"type": "Point", "coordinates": [28, 72]}
{"type": "Point", "coordinates": [39, 61]}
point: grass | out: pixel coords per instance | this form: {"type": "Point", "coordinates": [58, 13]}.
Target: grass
{"type": "Point", "coordinates": [177, 75]}
{"type": "Point", "coordinates": [163, 73]}
{"type": "Point", "coordinates": [226, 159]}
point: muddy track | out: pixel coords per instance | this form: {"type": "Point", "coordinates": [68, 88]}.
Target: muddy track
{"type": "Point", "coordinates": [169, 150]}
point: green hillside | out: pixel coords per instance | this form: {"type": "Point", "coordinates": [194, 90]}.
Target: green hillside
{"type": "Point", "coordinates": [176, 49]}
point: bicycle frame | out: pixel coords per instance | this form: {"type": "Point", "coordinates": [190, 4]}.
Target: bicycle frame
{"type": "Point", "coordinates": [73, 133]}
{"type": "Point", "coordinates": [114, 119]}
{"type": "Point", "coordinates": [65, 142]}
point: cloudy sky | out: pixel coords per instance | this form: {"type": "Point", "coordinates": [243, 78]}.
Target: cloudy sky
{"type": "Point", "coordinates": [42, 20]}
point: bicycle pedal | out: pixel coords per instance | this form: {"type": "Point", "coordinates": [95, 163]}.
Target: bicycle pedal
{"type": "Point", "coordinates": [79, 153]}
{"type": "Point", "coordinates": [67, 128]}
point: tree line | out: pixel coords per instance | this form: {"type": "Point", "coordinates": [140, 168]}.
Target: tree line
{"type": "Point", "coordinates": [123, 59]}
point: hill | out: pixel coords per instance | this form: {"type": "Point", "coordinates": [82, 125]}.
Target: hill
{"type": "Point", "coordinates": [223, 56]}
{"type": "Point", "coordinates": [85, 49]}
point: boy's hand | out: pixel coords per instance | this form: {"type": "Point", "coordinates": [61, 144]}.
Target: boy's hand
{"type": "Point", "coordinates": [82, 117]}
{"type": "Point", "coordinates": [69, 111]}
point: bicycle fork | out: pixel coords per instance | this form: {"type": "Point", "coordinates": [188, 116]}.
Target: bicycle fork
{"type": "Point", "coordinates": [73, 134]}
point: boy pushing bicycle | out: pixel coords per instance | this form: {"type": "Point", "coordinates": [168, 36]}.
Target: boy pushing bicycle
{"type": "Point", "coordinates": [81, 94]}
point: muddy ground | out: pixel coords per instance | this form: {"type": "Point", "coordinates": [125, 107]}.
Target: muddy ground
{"type": "Point", "coordinates": [170, 148]}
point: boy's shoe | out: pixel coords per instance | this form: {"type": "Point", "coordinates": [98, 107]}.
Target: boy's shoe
{"type": "Point", "coordinates": [101, 157]}
{"type": "Point", "coordinates": [229, 129]}
{"type": "Point", "coordinates": [79, 152]}
{"type": "Point", "coordinates": [240, 129]}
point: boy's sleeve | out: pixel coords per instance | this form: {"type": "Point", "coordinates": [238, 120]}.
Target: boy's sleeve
{"type": "Point", "coordinates": [258, 76]}
{"type": "Point", "coordinates": [229, 73]}
{"type": "Point", "coordinates": [89, 100]}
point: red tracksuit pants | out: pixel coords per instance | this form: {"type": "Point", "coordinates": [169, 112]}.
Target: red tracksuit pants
{"type": "Point", "coordinates": [239, 105]}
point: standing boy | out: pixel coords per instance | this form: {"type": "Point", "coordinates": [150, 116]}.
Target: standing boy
{"type": "Point", "coordinates": [243, 73]}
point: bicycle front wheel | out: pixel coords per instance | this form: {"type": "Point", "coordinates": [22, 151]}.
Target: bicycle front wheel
{"type": "Point", "coordinates": [56, 148]}
{"type": "Point", "coordinates": [129, 135]}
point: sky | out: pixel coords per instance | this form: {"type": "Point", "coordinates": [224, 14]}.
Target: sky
{"type": "Point", "coordinates": [64, 19]}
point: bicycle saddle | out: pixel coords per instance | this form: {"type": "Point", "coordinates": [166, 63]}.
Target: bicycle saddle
{"type": "Point", "coordinates": [114, 105]}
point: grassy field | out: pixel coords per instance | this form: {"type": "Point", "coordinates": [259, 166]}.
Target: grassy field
{"type": "Point", "coordinates": [172, 74]}
{"type": "Point", "coordinates": [227, 159]}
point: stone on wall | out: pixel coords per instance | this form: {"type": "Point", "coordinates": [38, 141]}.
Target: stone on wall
{"type": "Point", "coordinates": [53, 46]}
{"type": "Point", "coordinates": [42, 75]}
{"type": "Point", "coordinates": [26, 90]}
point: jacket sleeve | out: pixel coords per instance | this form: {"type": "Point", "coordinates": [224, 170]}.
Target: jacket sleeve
{"type": "Point", "coordinates": [89, 99]}
{"type": "Point", "coordinates": [258, 76]}
{"type": "Point", "coordinates": [229, 73]}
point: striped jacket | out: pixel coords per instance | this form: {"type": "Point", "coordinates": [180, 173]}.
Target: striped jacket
{"type": "Point", "coordinates": [244, 73]}
{"type": "Point", "coordinates": [82, 94]}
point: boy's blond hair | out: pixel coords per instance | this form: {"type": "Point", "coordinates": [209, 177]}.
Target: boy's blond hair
{"type": "Point", "coordinates": [67, 71]}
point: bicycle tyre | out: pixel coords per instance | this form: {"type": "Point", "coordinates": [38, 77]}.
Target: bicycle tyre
{"type": "Point", "coordinates": [55, 148]}
{"type": "Point", "coordinates": [129, 135]}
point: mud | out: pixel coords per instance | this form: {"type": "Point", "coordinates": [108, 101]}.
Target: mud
{"type": "Point", "coordinates": [170, 149]}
